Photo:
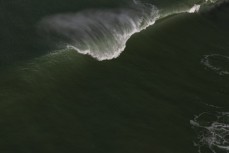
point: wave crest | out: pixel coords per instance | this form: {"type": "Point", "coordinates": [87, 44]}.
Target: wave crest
{"type": "Point", "coordinates": [101, 34]}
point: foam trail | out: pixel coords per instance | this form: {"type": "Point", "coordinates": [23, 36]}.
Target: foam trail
{"type": "Point", "coordinates": [101, 34]}
{"type": "Point", "coordinates": [212, 131]}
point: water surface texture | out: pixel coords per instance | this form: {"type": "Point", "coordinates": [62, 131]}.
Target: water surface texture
{"type": "Point", "coordinates": [114, 76]}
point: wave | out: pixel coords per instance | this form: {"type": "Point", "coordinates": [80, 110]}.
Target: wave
{"type": "Point", "coordinates": [212, 131]}
{"type": "Point", "coordinates": [103, 34]}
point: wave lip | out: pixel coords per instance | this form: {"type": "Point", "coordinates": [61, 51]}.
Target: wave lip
{"type": "Point", "coordinates": [101, 34]}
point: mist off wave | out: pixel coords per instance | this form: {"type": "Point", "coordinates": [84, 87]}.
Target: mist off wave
{"type": "Point", "coordinates": [101, 34]}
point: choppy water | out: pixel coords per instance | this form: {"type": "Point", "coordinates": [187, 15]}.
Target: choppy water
{"type": "Point", "coordinates": [114, 76]}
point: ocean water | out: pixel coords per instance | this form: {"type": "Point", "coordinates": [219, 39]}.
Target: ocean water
{"type": "Point", "coordinates": [117, 76]}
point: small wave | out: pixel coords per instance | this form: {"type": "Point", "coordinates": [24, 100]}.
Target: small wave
{"type": "Point", "coordinates": [194, 9]}
{"type": "Point", "coordinates": [212, 131]}
{"type": "Point", "coordinates": [216, 62]}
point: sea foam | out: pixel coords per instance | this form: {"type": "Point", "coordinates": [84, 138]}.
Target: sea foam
{"type": "Point", "coordinates": [212, 131]}
{"type": "Point", "coordinates": [194, 9]}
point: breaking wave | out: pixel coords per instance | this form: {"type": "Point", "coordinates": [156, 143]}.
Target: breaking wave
{"type": "Point", "coordinates": [103, 34]}
{"type": "Point", "coordinates": [212, 131]}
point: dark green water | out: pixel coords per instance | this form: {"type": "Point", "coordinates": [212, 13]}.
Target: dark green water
{"type": "Point", "coordinates": [144, 101]}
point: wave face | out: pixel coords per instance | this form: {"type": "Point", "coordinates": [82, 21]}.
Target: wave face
{"type": "Point", "coordinates": [212, 130]}
{"type": "Point", "coordinates": [101, 33]}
